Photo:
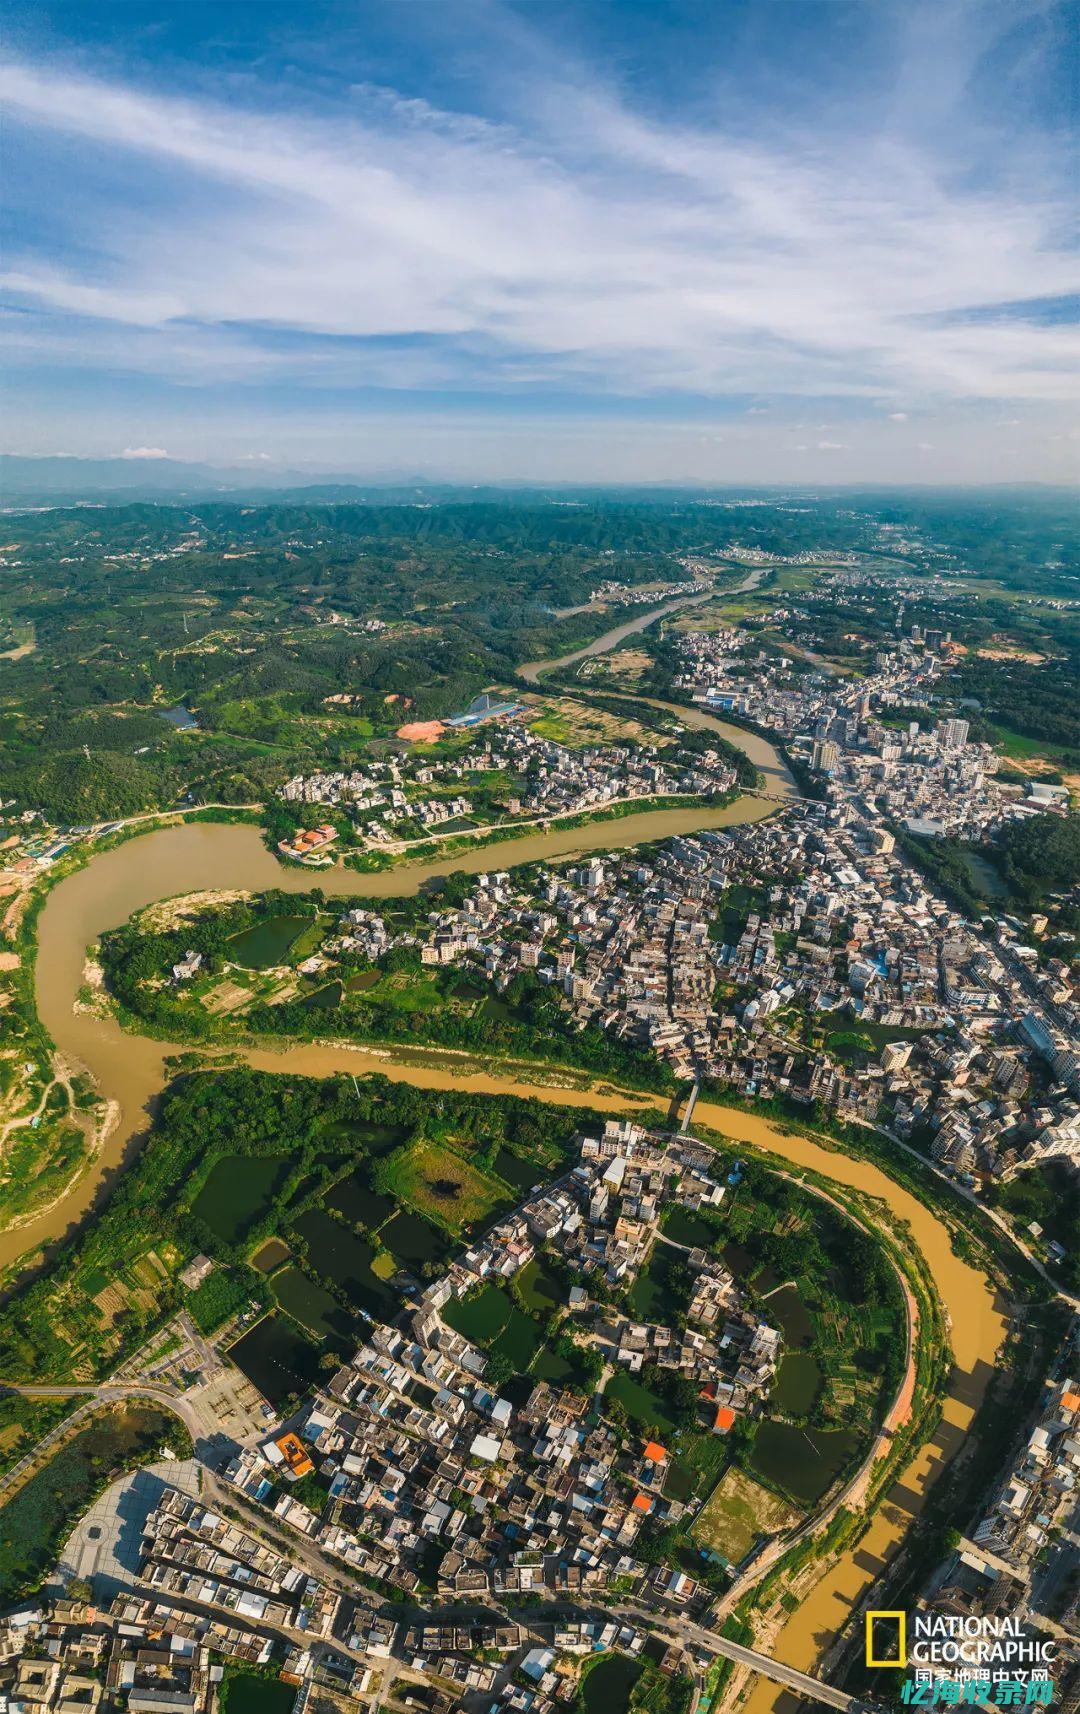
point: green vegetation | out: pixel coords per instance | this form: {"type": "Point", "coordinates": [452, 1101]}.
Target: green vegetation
{"type": "Point", "coordinates": [260, 622]}
{"type": "Point", "coordinates": [398, 1001]}
{"type": "Point", "coordinates": [945, 862]}
{"type": "Point", "coordinates": [38, 1160]}
{"type": "Point", "coordinates": [109, 1287]}
{"type": "Point", "coordinates": [1028, 860]}
{"type": "Point", "coordinates": [1038, 701]}
{"type": "Point", "coordinates": [631, 1684]}
{"type": "Point", "coordinates": [842, 1318]}
{"type": "Point", "coordinates": [254, 1690]}
{"type": "Point", "coordinates": [221, 1297]}
{"type": "Point", "coordinates": [440, 1183]}
{"type": "Point", "coordinates": [1041, 855]}
{"type": "Point", "coordinates": [523, 1327]}
{"type": "Point", "coordinates": [738, 1512]}
{"type": "Point", "coordinates": [34, 1523]}
{"type": "Point", "coordinates": [1047, 1196]}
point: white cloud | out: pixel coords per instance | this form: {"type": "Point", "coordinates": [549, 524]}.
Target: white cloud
{"type": "Point", "coordinates": [833, 445]}
{"type": "Point", "coordinates": [144, 452]}
{"type": "Point", "coordinates": [898, 416]}
{"type": "Point", "coordinates": [597, 250]}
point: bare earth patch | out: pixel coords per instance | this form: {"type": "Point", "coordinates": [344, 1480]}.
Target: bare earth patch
{"type": "Point", "coordinates": [739, 1511]}
{"type": "Point", "coordinates": [1003, 651]}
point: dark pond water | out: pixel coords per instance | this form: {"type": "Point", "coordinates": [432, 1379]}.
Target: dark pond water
{"type": "Point", "coordinates": [785, 1309]}
{"type": "Point", "coordinates": [492, 1320]}
{"type": "Point", "coordinates": [519, 1340]}
{"type": "Point", "coordinates": [239, 1191]}
{"type": "Point", "coordinates": [363, 980]}
{"type": "Point", "coordinates": [803, 1462]}
{"type": "Point", "coordinates": [266, 943]}
{"type": "Point", "coordinates": [542, 1291]}
{"type": "Point", "coordinates": [650, 1297]}
{"type": "Point", "coordinates": [798, 1382]}
{"type": "Point", "coordinates": [522, 1175]}
{"type": "Point", "coordinates": [609, 1685]}
{"type": "Point", "coordinates": [341, 1256]}
{"type": "Point", "coordinates": [681, 1482]}
{"type": "Point", "coordinates": [375, 1139]}
{"type": "Point", "coordinates": [270, 1255]}
{"type": "Point", "coordinates": [683, 1226]}
{"type": "Point", "coordinates": [481, 1317]}
{"type": "Point", "coordinates": [984, 877]}
{"type": "Point", "coordinates": [739, 1260]}
{"type": "Point", "coordinates": [312, 1305]}
{"type": "Point", "coordinates": [277, 1358]}
{"type": "Point", "coordinates": [747, 1270]}
{"type": "Point", "coordinates": [179, 717]}
{"type": "Point", "coordinates": [354, 1199]}
{"type": "Point", "coordinates": [549, 1366]}
{"type": "Point", "coordinates": [323, 999]}
{"type": "Point", "coordinates": [249, 1693]}
{"type": "Point", "coordinates": [413, 1240]}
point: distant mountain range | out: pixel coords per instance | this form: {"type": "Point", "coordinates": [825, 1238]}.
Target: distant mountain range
{"type": "Point", "coordinates": [62, 478]}
{"type": "Point", "coordinates": [28, 481]}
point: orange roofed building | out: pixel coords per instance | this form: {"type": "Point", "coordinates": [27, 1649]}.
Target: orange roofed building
{"type": "Point", "coordinates": [288, 1449]}
{"type": "Point", "coordinates": [724, 1420]}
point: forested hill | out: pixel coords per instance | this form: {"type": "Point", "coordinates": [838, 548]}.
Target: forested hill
{"type": "Point", "coordinates": [252, 616]}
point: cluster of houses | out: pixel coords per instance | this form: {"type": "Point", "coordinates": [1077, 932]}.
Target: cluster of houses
{"type": "Point", "coordinates": [431, 1480]}
{"type": "Point", "coordinates": [614, 594]}
{"type": "Point", "coordinates": [1039, 1499]}
{"type": "Point", "coordinates": [138, 1654]}
{"type": "Point", "coordinates": [192, 1552]}
{"type": "Point", "coordinates": [386, 799]}
{"type": "Point", "coordinates": [431, 1466]}
{"type": "Point", "coordinates": [935, 783]}
{"type": "Point", "coordinates": [967, 1043]}
{"type": "Point", "coordinates": [1021, 1560]}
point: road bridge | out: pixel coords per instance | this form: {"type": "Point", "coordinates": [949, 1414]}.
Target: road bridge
{"type": "Point", "coordinates": [690, 1105]}
{"type": "Point", "coordinates": [802, 1683]}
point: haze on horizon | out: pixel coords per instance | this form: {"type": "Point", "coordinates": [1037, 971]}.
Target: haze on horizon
{"type": "Point", "coordinates": [745, 242]}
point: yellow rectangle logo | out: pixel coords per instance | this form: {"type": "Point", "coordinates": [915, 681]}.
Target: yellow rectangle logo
{"type": "Point", "coordinates": [900, 1620]}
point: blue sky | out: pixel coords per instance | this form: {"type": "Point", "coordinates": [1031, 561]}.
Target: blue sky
{"type": "Point", "coordinates": [732, 240]}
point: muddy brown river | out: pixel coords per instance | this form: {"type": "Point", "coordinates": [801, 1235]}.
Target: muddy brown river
{"type": "Point", "coordinates": [130, 1071]}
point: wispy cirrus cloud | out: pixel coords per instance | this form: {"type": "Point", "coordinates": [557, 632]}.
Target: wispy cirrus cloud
{"type": "Point", "coordinates": [584, 246]}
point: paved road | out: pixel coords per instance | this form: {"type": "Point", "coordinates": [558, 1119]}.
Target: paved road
{"type": "Point", "coordinates": [206, 1434]}
{"type": "Point", "coordinates": [117, 1392]}
{"type": "Point", "coordinates": [684, 1631]}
